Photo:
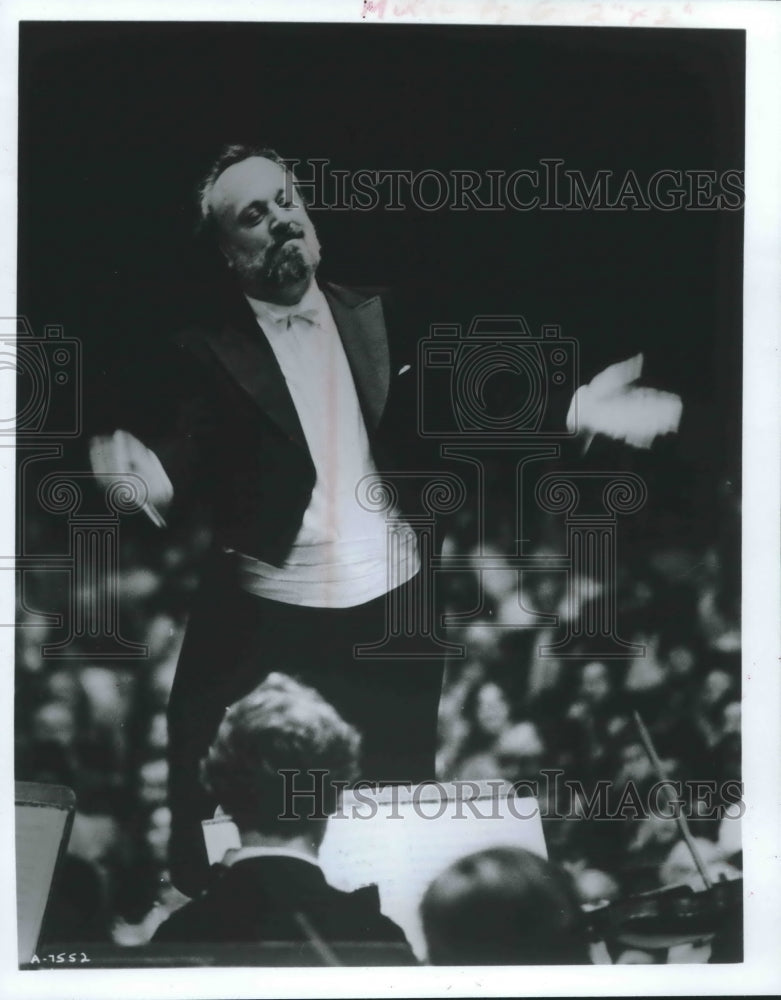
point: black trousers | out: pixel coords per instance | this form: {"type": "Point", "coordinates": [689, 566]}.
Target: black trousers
{"type": "Point", "coordinates": [235, 639]}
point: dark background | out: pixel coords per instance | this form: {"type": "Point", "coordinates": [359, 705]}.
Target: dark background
{"type": "Point", "coordinates": [118, 121]}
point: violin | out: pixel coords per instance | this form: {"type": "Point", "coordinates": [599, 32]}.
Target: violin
{"type": "Point", "coordinates": [671, 915]}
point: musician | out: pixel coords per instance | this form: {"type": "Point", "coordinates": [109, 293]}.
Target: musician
{"type": "Point", "coordinates": [287, 399]}
{"type": "Point", "coordinates": [504, 906]}
{"type": "Point", "coordinates": [272, 888]}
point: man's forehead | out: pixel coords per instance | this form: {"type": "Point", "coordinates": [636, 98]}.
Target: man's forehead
{"type": "Point", "coordinates": [255, 177]}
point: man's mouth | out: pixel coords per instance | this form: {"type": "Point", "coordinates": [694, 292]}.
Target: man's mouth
{"type": "Point", "coordinates": [290, 239]}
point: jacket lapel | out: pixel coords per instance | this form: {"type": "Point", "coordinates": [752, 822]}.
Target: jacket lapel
{"type": "Point", "coordinates": [361, 325]}
{"type": "Point", "coordinates": [246, 354]}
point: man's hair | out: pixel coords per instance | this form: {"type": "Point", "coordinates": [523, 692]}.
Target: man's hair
{"type": "Point", "coordinates": [281, 725]}
{"type": "Point", "coordinates": [227, 157]}
{"type": "Point", "coordinates": [503, 906]}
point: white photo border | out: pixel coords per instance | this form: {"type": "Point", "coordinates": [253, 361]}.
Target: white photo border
{"type": "Point", "coordinates": [761, 971]}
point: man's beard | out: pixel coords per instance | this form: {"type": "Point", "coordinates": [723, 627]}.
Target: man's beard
{"type": "Point", "coordinates": [287, 266]}
{"type": "Point", "coordinates": [273, 271]}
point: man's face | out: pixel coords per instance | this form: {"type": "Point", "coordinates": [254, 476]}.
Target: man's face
{"type": "Point", "coordinates": [264, 231]}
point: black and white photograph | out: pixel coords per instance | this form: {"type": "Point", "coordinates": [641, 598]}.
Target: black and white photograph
{"type": "Point", "coordinates": [391, 543]}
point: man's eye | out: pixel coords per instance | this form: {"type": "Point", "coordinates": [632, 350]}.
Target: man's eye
{"type": "Point", "coordinates": [252, 217]}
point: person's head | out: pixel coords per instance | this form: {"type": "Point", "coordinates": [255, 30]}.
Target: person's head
{"type": "Point", "coordinates": [250, 203]}
{"type": "Point", "coordinates": [54, 722]}
{"type": "Point", "coordinates": [653, 831]}
{"type": "Point", "coordinates": [158, 833]}
{"type": "Point", "coordinates": [503, 906]}
{"type": "Point", "coordinates": [279, 727]}
{"type": "Point", "coordinates": [730, 718]}
{"type": "Point", "coordinates": [519, 752]}
{"type": "Point", "coordinates": [593, 886]}
{"type": "Point", "coordinates": [716, 686]}
{"type": "Point", "coordinates": [153, 782]}
{"type": "Point", "coordinates": [681, 661]}
{"type": "Point", "coordinates": [491, 709]}
{"type": "Point", "coordinates": [546, 587]}
{"type": "Point", "coordinates": [595, 683]}
{"type": "Point", "coordinates": [633, 762]}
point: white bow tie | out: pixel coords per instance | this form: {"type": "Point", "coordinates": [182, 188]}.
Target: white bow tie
{"type": "Point", "coordinates": [309, 316]}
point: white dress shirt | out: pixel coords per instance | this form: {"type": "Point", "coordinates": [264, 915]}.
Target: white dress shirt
{"type": "Point", "coordinates": [341, 556]}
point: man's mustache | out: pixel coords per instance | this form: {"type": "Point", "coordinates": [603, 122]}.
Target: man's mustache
{"type": "Point", "coordinates": [288, 233]}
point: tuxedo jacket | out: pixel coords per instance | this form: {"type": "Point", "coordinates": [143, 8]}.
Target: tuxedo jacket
{"type": "Point", "coordinates": [276, 898]}
{"type": "Point", "coordinates": [236, 440]}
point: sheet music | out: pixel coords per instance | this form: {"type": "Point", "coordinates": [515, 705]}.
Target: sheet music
{"type": "Point", "coordinates": [40, 829]}
{"type": "Point", "coordinates": [402, 844]}
{"type": "Point", "coordinates": [401, 849]}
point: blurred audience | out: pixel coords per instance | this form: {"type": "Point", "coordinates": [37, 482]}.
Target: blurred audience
{"type": "Point", "coordinates": [509, 709]}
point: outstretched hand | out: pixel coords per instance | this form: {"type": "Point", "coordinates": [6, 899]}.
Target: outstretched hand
{"type": "Point", "coordinates": [112, 455]}
{"type": "Point", "coordinates": [611, 404]}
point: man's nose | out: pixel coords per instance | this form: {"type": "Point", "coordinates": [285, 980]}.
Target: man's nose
{"type": "Point", "coordinates": [279, 216]}
{"type": "Point", "coordinates": [276, 217]}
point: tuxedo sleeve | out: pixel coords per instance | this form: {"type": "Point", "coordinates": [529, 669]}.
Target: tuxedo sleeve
{"type": "Point", "coordinates": [167, 401]}
{"type": "Point", "coordinates": [186, 445]}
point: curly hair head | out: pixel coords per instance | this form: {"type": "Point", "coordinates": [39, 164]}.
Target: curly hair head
{"type": "Point", "coordinates": [280, 726]}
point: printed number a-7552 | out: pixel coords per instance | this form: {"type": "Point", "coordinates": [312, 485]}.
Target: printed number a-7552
{"type": "Point", "coordinates": [61, 958]}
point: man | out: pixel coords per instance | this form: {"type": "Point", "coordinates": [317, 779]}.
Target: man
{"type": "Point", "coordinates": [285, 405]}
{"type": "Point", "coordinates": [272, 888]}
{"type": "Point", "coordinates": [287, 402]}
{"type": "Point", "coordinates": [503, 906]}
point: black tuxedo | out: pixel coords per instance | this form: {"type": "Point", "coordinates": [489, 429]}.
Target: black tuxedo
{"type": "Point", "coordinates": [237, 442]}
{"type": "Point", "coordinates": [237, 439]}
{"type": "Point", "coordinates": [270, 899]}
